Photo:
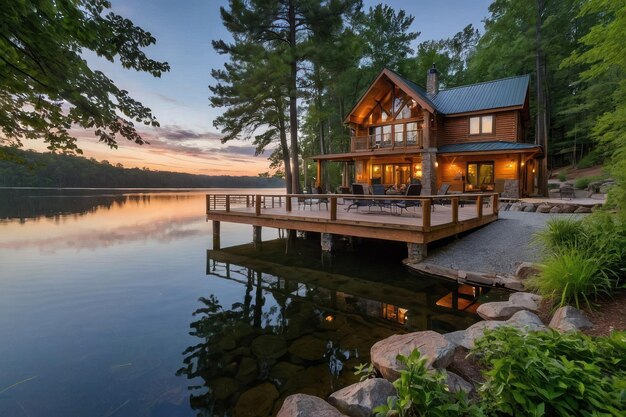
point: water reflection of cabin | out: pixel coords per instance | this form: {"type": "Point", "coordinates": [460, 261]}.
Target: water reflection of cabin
{"type": "Point", "coordinates": [472, 137]}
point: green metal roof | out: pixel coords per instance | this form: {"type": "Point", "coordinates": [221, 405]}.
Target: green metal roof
{"type": "Point", "coordinates": [496, 145]}
{"type": "Point", "coordinates": [505, 92]}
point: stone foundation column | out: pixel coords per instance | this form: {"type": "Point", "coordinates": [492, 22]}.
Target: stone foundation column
{"type": "Point", "coordinates": [416, 252]}
{"type": "Point", "coordinates": [326, 241]}
{"type": "Point", "coordinates": [429, 171]}
{"type": "Point", "coordinates": [256, 236]}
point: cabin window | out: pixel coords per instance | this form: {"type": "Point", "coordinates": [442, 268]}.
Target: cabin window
{"type": "Point", "coordinates": [480, 176]}
{"type": "Point", "coordinates": [398, 131]}
{"type": "Point", "coordinates": [481, 125]}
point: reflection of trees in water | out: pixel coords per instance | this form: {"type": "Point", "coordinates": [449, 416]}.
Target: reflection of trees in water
{"type": "Point", "coordinates": [37, 203]}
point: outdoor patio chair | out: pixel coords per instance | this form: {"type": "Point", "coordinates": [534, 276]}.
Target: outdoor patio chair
{"type": "Point", "coordinates": [379, 189]}
{"type": "Point", "coordinates": [443, 190]}
{"type": "Point", "coordinates": [307, 200]}
{"type": "Point", "coordinates": [412, 190]}
{"type": "Point", "coordinates": [358, 190]}
{"type": "Point", "coordinates": [321, 200]}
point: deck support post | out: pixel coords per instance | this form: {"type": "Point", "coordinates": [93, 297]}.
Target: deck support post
{"type": "Point", "coordinates": [256, 236]}
{"type": "Point", "coordinates": [326, 241]}
{"type": "Point", "coordinates": [416, 252]}
{"type": "Point", "coordinates": [216, 235]}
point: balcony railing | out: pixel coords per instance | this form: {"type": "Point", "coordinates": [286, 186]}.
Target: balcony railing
{"type": "Point", "coordinates": [410, 138]}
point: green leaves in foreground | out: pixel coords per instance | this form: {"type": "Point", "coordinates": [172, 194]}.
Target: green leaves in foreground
{"type": "Point", "coordinates": [552, 374]}
{"type": "Point", "coordinates": [422, 392]}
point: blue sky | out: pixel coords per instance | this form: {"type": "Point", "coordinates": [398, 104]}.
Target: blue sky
{"type": "Point", "coordinates": [188, 141]}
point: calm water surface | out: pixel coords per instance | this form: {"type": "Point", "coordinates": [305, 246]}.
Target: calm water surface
{"type": "Point", "coordinates": [113, 304]}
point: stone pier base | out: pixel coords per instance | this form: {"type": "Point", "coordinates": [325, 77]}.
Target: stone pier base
{"type": "Point", "coordinates": [327, 242]}
{"type": "Point", "coordinates": [256, 236]}
{"type": "Point", "coordinates": [416, 252]}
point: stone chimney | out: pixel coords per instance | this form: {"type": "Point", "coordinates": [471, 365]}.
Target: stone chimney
{"type": "Point", "coordinates": [432, 81]}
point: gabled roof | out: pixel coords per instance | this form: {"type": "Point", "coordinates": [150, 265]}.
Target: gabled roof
{"type": "Point", "coordinates": [506, 92]}
{"type": "Point", "coordinates": [490, 146]}
{"type": "Point", "coordinates": [502, 93]}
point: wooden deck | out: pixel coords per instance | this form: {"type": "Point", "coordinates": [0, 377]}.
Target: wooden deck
{"type": "Point", "coordinates": [428, 222]}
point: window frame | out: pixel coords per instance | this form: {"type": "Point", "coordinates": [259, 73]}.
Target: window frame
{"type": "Point", "coordinates": [480, 124]}
{"type": "Point", "coordinates": [478, 186]}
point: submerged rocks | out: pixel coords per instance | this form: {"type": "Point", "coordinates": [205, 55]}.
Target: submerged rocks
{"type": "Point", "coordinates": [269, 346]}
{"type": "Point", "coordinates": [568, 319]}
{"type": "Point", "coordinates": [358, 400]}
{"type": "Point", "coordinates": [257, 401]}
{"type": "Point", "coordinates": [309, 348]}
{"type": "Point", "coordinates": [434, 346]}
{"type": "Point", "coordinates": [302, 405]}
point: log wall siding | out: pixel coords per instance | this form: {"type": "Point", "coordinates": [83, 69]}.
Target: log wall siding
{"type": "Point", "coordinates": [505, 168]}
{"type": "Point", "coordinates": [456, 129]}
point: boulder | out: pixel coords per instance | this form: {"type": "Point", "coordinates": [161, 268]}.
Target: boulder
{"type": "Point", "coordinates": [567, 208]}
{"type": "Point", "coordinates": [508, 282]}
{"type": "Point", "coordinates": [527, 300]}
{"type": "Point", "coordinates": [257, 401]}
{"type": "Point", "coordinates": [516, 207]}
{"type": "Point", "coordinates": [525, 320]}
{"type": "Point", "coordinates": [247, 371]}
{"type": "Point", "coordinates": [583, 209]}
{"type": "Point", "coordinates": [222, 388]}
{"type": "Point", "coordinates": [604, 188]}
{"type": "Point", "coordinates": [269, 346]}
{"type": "Point", "coordinates": [309, 348]}
{"type": "Point", "coordinates": [544, 208]}
{"type": "Point", "coordinates": [302, 405]}
{"type": "Point", "coordinates": [282, 371]}
{"type": "Point", "coordinates": [434, 346]}
{"type": "Point", "coordinates": [526, 270]}
{"type": "Point", "coordinates": [358, 400]}
{"type": "Point", "coordinates": [555, 210]}
{"type": "Point", "coordinates": [455, 383]}
{"type": "Point", "coordinates": [498, 310]}
{"type": "Point", "coordinates": [530, 208]}
{"type": "Point", "coordinates": [568, 319]}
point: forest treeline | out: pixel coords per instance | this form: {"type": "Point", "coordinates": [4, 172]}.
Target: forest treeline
{"type": "Point", "coordinates": [20, 168]}
{"type": "Point", "coordinates": [297, 67]}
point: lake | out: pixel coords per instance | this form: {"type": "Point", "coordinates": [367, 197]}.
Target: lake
{"type": "Point", "coordinates": [112, 303]}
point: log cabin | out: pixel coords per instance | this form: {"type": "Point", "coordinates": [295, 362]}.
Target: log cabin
{"type": "Point", "coordinates": [471, 137]}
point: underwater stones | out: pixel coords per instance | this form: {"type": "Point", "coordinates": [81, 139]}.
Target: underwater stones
{"type": "Point", "coordinates": [269, 346]}
{"type": "Point", "coordinates": [430, 344]}
{"type": "Point", "coordinates": [309, 348]}
{"type": "Point", "coordinates": [257, 401]}
{"type": "Point", "coordinates": [358, 400]}
{"type": "Point", "coordinates": [569, 319]}
{"type": "Point", "coordinates": [247, 371]}
{"type": "Point", "coordinates": [302, 405]}
{"type": "Point", "coordinates": [222, 388]}
{"type": "Point", "coordinates": [282, 371]}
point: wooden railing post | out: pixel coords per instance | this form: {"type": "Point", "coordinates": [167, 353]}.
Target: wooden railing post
{"type": "Point", "coordinates": [333, 208]}
{"type": "Point", "coordinates": [288, 203]}
{"type": "Point", "coordinates": [494, 203]}
{"type": "Point", "coordinates": [227, 203]}
{"type": "Point", "coordinates": [257, 205]}
{"type": "Point", "coordinates": [208, 203]}
{"type": "Point", "coordinates": [479, 206]}
{"type": "Point", "coordinates": [455, 209]}
{"type": "Point", "coordinates": [426, 215]}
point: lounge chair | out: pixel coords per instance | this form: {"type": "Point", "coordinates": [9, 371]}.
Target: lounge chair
{"type": "Point", "coordinates": [357, 189]}
{"type": "Point", "coordinates": [443, 190]}
{"type": "Point", "coordinates": [321, 200]}
{"type": "Point", "coordinates": [412, 190]}
{"type": "Point", "coordinates": [379, 189]}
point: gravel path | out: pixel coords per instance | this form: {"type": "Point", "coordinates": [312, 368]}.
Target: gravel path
{"type": "Point", "coordinates": [498, 247]}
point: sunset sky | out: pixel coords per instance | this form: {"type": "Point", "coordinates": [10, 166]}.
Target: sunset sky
{"type": "Point", "coordinates": [187, 140]}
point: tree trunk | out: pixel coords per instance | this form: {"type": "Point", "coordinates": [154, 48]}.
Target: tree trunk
{"type": "Point", "coordinates": [541, 135]}
{"type": "Point", "coordinates": [285, 150]}
{"type": "Point", "coordinates": [293, 100]}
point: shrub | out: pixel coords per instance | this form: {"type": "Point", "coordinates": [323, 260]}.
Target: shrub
{"type": "Point", "coordinates": [562, 175]}
{"type": "Point", "coordinates": [593, 158]}
{"type": "Point", "coordinates": [421, 392]}
{"type": "Point", "coordinates": [583, 182]}
{"type": "Point", "coordinates": [560, 233]}
{"type": "Point", "coordinates": [571, 277]}
{"type": "Point", "coordinates": [553, 374]}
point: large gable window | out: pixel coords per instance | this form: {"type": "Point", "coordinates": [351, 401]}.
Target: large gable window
{"type": "Point", "coordinates": [481, 125]}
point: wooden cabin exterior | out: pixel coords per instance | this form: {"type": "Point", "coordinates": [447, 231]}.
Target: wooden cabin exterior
{"type": "Point", "coordinates": [472, 137]}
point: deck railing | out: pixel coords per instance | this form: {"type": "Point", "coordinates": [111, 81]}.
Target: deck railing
{"type": "Point", "coordinates": [410, 138]}
{"type": "Point", "coordinates": [229, 203]}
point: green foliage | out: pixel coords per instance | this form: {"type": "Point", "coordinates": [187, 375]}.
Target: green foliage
{"type": "Point", "coordinates": [583, 182]}
{"type": "Point", "coordinates": [421, 392]}
{"type": "Point", "coordinates": [584, 258]}
{"type": "Point", "coordinates": [46, 86]}
{"type": "Point", "coordinates": [593, 158]}
{"type": "Point", "coordinates": [563, 175]}
{"type": "Point", "coordinates": [571, 277]}
{"type": "Point", "coordinates": [365, 370]}
{"type": "Point", "coordinates": [552, 374]}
